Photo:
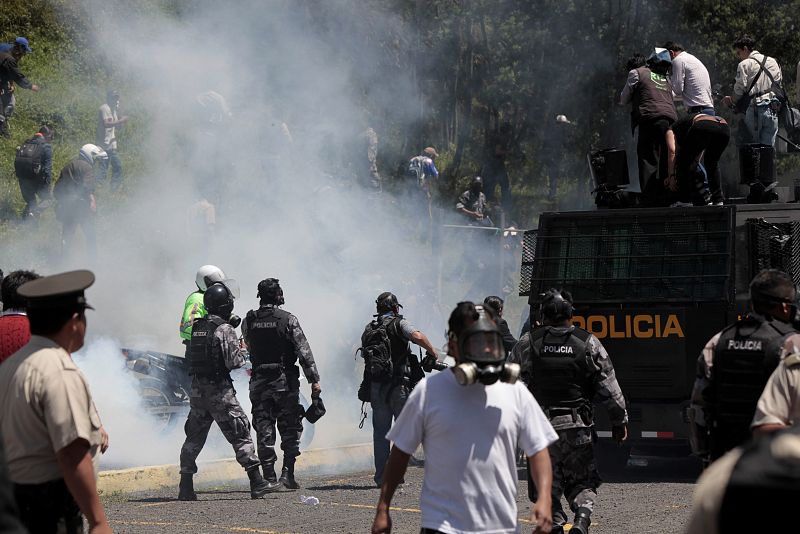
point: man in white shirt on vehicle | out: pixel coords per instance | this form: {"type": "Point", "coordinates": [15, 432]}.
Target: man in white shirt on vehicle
{"type": "Point", "coordinates": [470, 420]}
{"type": "Point", "coordinates": [690, 80]}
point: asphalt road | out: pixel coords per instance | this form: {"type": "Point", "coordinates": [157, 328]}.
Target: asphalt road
{"type": "Point", "coordinates": [653, 499]}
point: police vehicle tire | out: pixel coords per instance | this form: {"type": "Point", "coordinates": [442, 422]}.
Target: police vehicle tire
{"type": "Point", "coordinates": [166, 404]}
{"type": "Point", "coordinates": [610, 457]}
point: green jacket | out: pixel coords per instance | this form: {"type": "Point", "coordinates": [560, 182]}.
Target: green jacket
{"type": "Point", "coordinates": [193, 309]}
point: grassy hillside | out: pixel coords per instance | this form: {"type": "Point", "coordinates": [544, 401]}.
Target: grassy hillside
{"type": "Point", "coordinates": [73, 77]}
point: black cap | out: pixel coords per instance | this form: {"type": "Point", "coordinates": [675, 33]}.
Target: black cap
{"type": "Point", "coordinates": [63, 290]}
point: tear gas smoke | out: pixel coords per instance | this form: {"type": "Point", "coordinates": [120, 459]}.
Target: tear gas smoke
{"type": "Point", "coordinates": [253, 182]}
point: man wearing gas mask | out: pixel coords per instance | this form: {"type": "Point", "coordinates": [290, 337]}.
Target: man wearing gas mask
{"type": "Point", "coordinates": [735, 364]}
{"type": "Point", "coordinates": [213, 352]}
{"type": "Point", "coordinates": [470, 419]}
{"type": "Point", "coordinates": [276, 343]}
{"type": "Point", "coordinates": [568, 370]}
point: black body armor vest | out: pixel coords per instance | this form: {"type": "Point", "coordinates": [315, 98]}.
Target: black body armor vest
{"type": "Point", "coordinates": [558, 362]}
{"type": "Point", "coordinates": [271, 347]}
{"type": "Point", "coordinates": [745, 356]}
{"type": "Point", "coordinates": [760, 481]}
{"type": "Point", "coordinates": [205, 359]}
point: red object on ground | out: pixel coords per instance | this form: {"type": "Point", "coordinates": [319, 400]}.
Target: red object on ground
{"type": "Point", "coordinates": [15, 332]}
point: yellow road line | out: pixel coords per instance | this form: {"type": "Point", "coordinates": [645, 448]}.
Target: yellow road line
{"type": "Point", "coordinates": [148, 505]}
{"type": "Point", "coordinates": [227, 528]}
{"type": "Point", "coordinates": [373, 506]}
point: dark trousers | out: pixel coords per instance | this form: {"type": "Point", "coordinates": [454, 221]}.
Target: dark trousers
{"type": "Point", "coordinates": [48, 508]}
{"type": "Point", "coordinates": [86, 220]}
{"type": "Point", "coordinates": [31, 188]}
{"type": "Point", "coordinates": [283, 408]}
{"type": "Point", "coordinates": [709, 138]}
{"type": "Point", "coordinates": [494, 173]}
{"type": "Point", "coordinates": [652, 154]}
{"type": "Point", "coordinates": [387, 402]}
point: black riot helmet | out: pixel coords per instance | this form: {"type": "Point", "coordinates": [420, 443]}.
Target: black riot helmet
{"type": "Point", "coordinates": [556, 306]}
{"type": "Point", "coordinates": [386, 302]}
{"type": "Point", "coordinates": [218, 300]}
{"type": "Point", "coordinates": [270, 292]}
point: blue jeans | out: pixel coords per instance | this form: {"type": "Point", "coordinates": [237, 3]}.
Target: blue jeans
{"type": "Point", "coordinates": [760, 125]}
{"type": "Point", "coordinates": [116, 169]}
{"type": "Point", "coordinates": [387, 401]}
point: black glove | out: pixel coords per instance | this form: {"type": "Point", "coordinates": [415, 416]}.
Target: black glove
{"type": "Point", "coordinates": [619, 433]}
{"type": "Point", "coordinates": [430, 362]}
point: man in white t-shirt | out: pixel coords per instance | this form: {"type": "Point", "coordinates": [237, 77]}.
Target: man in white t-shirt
{"type": "Point", "coordinates": [470, 433]}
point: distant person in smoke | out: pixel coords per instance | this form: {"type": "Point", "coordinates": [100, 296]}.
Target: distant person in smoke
{"type": "Point", "coordinates": [193, 308]}
{"type": "Point", "coordinates": [493, 170]}
{"type": "Point", "coordinates": [472, 204]}
{"type": "Point", "coordinates": [15, 331]}
{"type": "Point", "coordinates": [496, 305]}
{"type": "Point", "coordinates": [33, 165]}
{"type": "Point", "coordinates": [649, 91]}
{"type": "Point", "coordinates": [10, 76]}
{"type": "Point", "coordinates": [75, 200]}
{"type": "Point", "coordinates": [368, 173]}
{"type": "Point", "coordinates": [107, 122]}
{"type": "Point", "coordinates": [690, 80]}
{"type": "Point", "coordinates": [422, 170]}
{"type": "Point", "coordinates": [51, 431]}
{"type": "Point", "coordinates": [276, 343]}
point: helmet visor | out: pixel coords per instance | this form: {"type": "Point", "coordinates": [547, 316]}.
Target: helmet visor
{"type": "Point", "coordinates": [233, 287]}
{"type": "Point", "coordinates": [484, 347]}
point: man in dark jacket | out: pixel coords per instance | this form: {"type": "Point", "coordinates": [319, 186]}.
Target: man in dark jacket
{"type": "Point", "coordinates": [496, 305]}
{"type": "Point", "coordinates": [9, 76]}
{"type": "Point", "coordinates": [74, 193]}
{"type": "Point", "coordinates": [33, 166]}
{"type": "Point", "coordinates": [648, 90]}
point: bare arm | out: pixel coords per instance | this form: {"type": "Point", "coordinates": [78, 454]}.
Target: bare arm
{"type": "Point", "coordinates": [542, 475]}
{"type": "Point", "coordinates": [418, 338]}
{"type": "Point", "coordinates": [395, 470]}
{"type": "Point", "coordinates": [768, 428]}
{"type": "Point", "coordinates": [75, 464]}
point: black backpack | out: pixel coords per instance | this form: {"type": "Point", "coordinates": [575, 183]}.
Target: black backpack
{"type": "Point", "coordinates": [28, 161]}
{"type": "Point", "coordinates": [376, 349]}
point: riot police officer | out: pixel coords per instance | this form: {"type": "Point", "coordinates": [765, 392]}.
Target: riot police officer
{"type": "Point", "coordinates": [276, 342]}
{"type": "Point", "coordinates": [567, 369]}
{"type": "Point", "coordinates": [735, 365]}
{"type": "Point", "coordinates": [213, 352]}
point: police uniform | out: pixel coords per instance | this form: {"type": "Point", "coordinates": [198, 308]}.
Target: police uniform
{"type": "Point", "coordinates": [45, 406]}
{"type": "Point", "coordinates": [567, 368]}
{"type": "Point", "coordinates": [276, 342]}
{"type": "Point", "coordinates": [213, 352]}
{"type": "Point", "coordinates": [780, 400]}
{"type": "Point", "coordinates": [731, 373]}
{"type": "Point", "coordinates": [762, 475]}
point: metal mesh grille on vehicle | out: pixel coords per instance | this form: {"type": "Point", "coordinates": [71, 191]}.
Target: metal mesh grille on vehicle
{"type": "Point", "coordinates": [629, 255]}
{"type": "Point", "coordinates": [775, 246]}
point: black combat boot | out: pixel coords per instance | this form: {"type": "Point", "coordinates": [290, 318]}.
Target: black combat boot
{"type": "Point", "coordinates": [258, 486]}
{"type": "Point", "coordinates": [269, 473]}
{"type": "Point", "coordinates": [186, 488]}
{"type": "Point", "coordinates": [582, 521]}
{"type": "Point", "coordinates": [287, 477]}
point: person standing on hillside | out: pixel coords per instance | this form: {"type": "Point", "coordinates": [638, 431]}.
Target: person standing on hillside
{"type": "Point", "coordinates": [107, 122]}
{"type": "Point", "coordinates": [10, 76]}
{"type": "Point", "coordinates": [33, 165]}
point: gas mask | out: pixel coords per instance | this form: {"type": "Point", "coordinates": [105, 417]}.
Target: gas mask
{"type": "Point", "coordinates": [234, 321]}
{"type": "Point", "coordinates": [482, 356]}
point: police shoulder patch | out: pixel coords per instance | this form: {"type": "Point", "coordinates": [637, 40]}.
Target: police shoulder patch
{"type": "Point", "coordinates": [792, 360]}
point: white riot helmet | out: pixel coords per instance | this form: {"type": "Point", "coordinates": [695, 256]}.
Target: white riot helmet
{"type": "Point", "coordinates": [208, 275]}
{"type": "Point", "coordinates": [89, 152]}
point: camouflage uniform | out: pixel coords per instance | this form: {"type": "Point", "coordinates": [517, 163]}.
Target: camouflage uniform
{"type": "Point", "coordinates": [275, 396]}
{"type": "Point", "coordinates": [574, 469]}
{"type": "Point", "coordinates": [214, 400]}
